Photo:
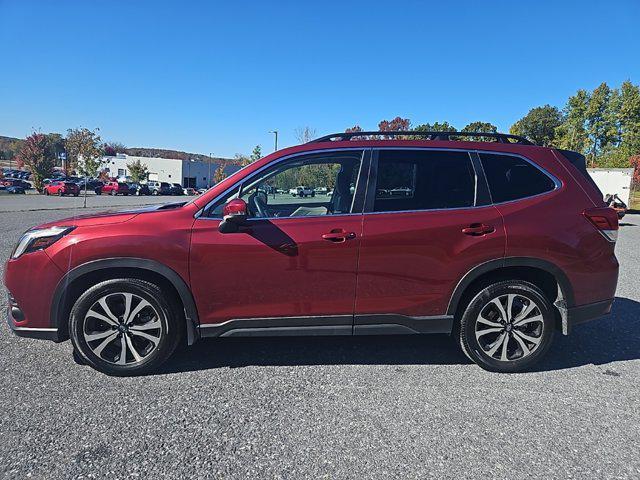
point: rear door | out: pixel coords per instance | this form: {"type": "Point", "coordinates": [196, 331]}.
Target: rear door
{"type": "Point", "coordinates": [428, 221]}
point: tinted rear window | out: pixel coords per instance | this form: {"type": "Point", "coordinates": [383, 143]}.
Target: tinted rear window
{"type": "Point", "coordinates": [512, 178]}
{"type": "Point", "coordinates": [423, 180]}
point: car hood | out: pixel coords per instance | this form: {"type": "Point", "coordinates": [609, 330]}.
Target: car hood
{"type": "Point", "coordinates": [109, 217]}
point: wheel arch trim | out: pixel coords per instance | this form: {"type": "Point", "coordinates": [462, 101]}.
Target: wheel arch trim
{"type": "Point", "coordinates": [190, 309]}
{"type": "Point", "coordinates": [498, 264]}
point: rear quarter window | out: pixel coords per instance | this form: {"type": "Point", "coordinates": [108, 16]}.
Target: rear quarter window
{"type": "Point", "coordinates": [513, 178]}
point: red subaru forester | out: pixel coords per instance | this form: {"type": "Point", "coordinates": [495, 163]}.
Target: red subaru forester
{"type": "Point", "coordinates": [500, 243]}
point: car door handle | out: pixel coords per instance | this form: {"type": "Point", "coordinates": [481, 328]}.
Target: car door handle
{"type": "Point", "coordinates": [338, 236]}
{"type": "Point", "coordinates": [478, 229]}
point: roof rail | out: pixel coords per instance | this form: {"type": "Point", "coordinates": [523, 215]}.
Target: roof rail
{"type": "Point", "coordinates": [445, 136]}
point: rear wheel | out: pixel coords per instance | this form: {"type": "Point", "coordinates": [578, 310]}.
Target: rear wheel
{"type": "Point", "coordinates": [60, 193]}
{"type": "Point", "coordinates": [124, 327]}
{"type": "Point", "coordinates": [507, 326]}
{"type": "Point", "coordinates": [113, 193]}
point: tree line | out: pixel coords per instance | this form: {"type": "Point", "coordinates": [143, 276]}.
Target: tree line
{"type": "Point", "coordinates": [603, 125]}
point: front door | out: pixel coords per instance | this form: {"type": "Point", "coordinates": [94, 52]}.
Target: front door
{"type": "Point", "coordinates": [295, 269]}
{"type": "Point", "coordinates": [427, 222]}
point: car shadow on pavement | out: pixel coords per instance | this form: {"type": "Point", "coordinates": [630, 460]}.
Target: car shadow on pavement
{"type": "Point", "coordinates": [610, 339]}
{"type": "Point", "coordinates": [613, 338]}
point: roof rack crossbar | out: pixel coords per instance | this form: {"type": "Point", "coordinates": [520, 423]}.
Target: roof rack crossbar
{"type": "Point", "coordinates": [445, 136]}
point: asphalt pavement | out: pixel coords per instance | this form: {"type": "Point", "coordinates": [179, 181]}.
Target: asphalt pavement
{"type": "Point", "coordinates": [399, 407]}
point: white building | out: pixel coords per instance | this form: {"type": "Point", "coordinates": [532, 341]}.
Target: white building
{"type": "Point", "coordinates": [188, 173]}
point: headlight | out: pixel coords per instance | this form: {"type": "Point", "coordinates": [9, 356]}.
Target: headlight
{"type": "Point", "coordinates": [38, 239]}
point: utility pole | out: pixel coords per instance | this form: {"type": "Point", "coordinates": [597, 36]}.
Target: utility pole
{"type": "Point", "coordinates": [276, 134]}
{"type": "Point", "coordinates": [209, 178]}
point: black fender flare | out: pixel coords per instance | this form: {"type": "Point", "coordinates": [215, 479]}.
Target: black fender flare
{"type": "Point", "coordinates": [497, 264]}
{"type": "Point", "coordinates": [190, 310]}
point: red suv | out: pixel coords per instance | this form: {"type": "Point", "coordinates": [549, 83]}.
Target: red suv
{"type": "Point", "coordinates": [113, 188]}
{"type": "Point", "coordinates": [501, 244]}
{"type": "Point", "coordinates": [62, 188]}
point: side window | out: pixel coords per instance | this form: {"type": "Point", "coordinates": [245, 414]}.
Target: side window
{"type": "Point", "coordinates": [512, 178]}
{"type": "Point", "coordinates": [310, 185]}
{"type": "Point", "coordinates": [424, 180]}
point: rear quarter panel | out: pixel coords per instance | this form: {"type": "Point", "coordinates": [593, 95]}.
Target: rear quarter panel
{"type": "Point", "coordinates": [552, 227]}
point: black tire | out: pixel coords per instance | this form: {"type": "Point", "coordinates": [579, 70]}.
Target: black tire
{"type": "Point", "coordinates": [541, 331]}
{"type": "Point", "coordinates": [60, 194]}
{"type": "Point", "coordinates": [46, 193]}
{"type": "Point", "coordinates": [154, 193]}
{"type": "Point", "coordinates": [169, 333]}
{"type": "Point", "coordinates": [113, 193]}
{"type": "Point", "coordinates": [76, 194]}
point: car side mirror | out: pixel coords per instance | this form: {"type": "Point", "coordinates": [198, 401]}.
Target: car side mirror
{"type": "Point", "coordinates": [235, 213]}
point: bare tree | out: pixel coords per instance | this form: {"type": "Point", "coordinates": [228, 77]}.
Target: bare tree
{"type": "Point", "coordinates": [305, 134]}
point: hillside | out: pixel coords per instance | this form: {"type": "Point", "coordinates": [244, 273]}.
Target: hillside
{"type": "Point", "coordinates": [9, 147]}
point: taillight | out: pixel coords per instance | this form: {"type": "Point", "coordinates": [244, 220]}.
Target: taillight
{"type": "Point", "coordinates": [605, 219]}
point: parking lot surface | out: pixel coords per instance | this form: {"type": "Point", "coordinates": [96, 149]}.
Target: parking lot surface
{"type": "Point", "coordinates": [400, 407]}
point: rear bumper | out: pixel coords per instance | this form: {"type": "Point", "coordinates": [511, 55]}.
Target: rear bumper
{"type": "Point", "coordinates": [40, 333]}
{"type": "Point", "coordinates": [585, 313]}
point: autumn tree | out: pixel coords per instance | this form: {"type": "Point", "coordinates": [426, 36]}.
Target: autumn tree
{"type": "Point", "coordinates": [356, 129]}
{"type": "Point", "coordinates": [219, 174]}
{"type": "Point", "coordinates": [634, 161]}
{"type": "Point", "coordinates": [539, 125]}
{"type": "Point", "coordinates": [38, 156]}
{"type": "Point", "coordinates": [395, 125]}
{"type": "Point", "coordinates": [138, 171]}
{"type": "Point", "coordinates": [84, 152]}
{"type": "Point", "coordinates": [111, 149]}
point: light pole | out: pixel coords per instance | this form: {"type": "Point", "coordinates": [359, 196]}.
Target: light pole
{"type": "Point", "coordinates": [276, 134]}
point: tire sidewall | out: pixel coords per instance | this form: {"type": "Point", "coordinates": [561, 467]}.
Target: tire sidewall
{"type": "Point", "coordinates": [468, 339]}
{"type": "Point", "coordinates": [145, 290]}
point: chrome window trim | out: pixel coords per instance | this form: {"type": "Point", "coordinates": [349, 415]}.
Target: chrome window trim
{"type": "Point", "coordinates": [557, 183]}
{"type": "Point", "coordinates": [238, 184]}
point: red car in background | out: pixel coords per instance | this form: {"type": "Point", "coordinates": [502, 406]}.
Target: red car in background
{"type": "Point", "coordinates": [501, 245]}
{"type": "Point", "coordinates": [113, 188]}
{"type": "Point", "coordinates": [62, 188]}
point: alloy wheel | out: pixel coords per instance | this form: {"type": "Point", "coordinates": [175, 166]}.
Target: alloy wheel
{"type": "Point", "coordinates": [122, 328]}
{"type": "Point", "coordinates": [509, 327]}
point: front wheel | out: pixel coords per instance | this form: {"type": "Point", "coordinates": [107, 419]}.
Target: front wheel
{"type": "Point", "coordinates": [507, 326]}
{"type": "Point", "coordinates": [125, 327]}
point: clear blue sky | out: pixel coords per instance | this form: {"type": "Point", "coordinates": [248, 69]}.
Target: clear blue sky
{"type": "Point", "coordinates": [217, 76]}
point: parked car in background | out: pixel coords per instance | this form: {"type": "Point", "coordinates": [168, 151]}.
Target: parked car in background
{"type": "Point", "coordinates": [139, 189]}
{"type": "Point", "coordinates": [321, 190]}
{"type": "Point", "coordinates": [189, 191]}
{"type": "Point", "coordinates": [61, 188]}
{"type": "Point", "coordinates": [501, 245]}
{"type": "Point", "coordinates": [176, 189]}
{"type": "Point", "coordinates": [15, 189]}
{"type": "Point", "coordinates": [113, 188]}
{"type": "Point", "coordinates": [202, 190]}
{"type": "Point", "coordinates": [302, 191]}
{"type": "Point", "coordinates": [159, 188]}
{"type": "Point", "coordinates": [15, 182]}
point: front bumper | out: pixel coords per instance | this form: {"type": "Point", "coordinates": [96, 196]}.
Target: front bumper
{"type": "Point", "coordinates": [585, 313]}
{"type": "Point", "coordinates": [41, 333]}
